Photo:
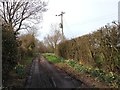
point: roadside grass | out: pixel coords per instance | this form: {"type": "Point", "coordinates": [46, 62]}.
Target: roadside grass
{"type": "Point", "coordinates": [51, 57]}
{"type": "Point", "coordinates": [99, 78]}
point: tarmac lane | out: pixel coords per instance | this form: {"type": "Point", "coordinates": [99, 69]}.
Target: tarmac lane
{"type": "Point", "coordinates": [45, 75]}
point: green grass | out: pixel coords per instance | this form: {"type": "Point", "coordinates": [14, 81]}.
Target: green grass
{"type": "Point", "coordinates": [52, 58]}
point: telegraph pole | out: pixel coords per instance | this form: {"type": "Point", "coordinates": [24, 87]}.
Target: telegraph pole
{"type": "Point", "coordinates": [61, 24]}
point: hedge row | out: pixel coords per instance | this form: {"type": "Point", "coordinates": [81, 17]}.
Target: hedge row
{"type": "Point", "coordinates": [98, 49]}
{"type": "Point", "coordinates": [9, 51]}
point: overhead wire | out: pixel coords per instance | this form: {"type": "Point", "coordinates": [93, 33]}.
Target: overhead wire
{"type": "Point", "coordinates": [95, 20]}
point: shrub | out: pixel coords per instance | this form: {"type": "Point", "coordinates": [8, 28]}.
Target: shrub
{"type": "Point", "coordinates": [71, 63]}
{"type": "Point", "coordinates": [94, 49]}
{"type": "Point", "coordinates": [9, 51]}
{"type": "Point", "coordinates": [109, 77]}
{"type": "Point", "coordinates": [87, 70]}
{"type": "Point", "coordinates": [97, 72]}
{"type": "Point", "coordinates": [98, 60]}
{"type": "Point", "coordinates": [62, 59]}
{"type": "Point", "coordinates": [20, 70]}
{"type": "Point", "coordinates": [80, 68]}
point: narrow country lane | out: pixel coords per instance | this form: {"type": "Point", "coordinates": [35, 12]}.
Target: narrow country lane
{"type": "Point", "coordinates": [38, 78]}
{"type": "Point", "coordinates": [45, 75]}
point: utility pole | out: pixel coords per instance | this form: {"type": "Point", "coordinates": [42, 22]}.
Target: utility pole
{"type": "Point", "coordinates": [61, 24]}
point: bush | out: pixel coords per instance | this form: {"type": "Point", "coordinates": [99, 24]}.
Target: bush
{"type": "Point", "coordinates": [94, 49]}
{"type": "Point", "coordinates": [97, 72]}
{"type": "Point", "coordinates": [20, 70]}
{"type": "Point", "coordinates": [9, 51]}
{"type": "Point", "coordinates": [109, 77]}
{"type": "Point", "coordinates": [98, 60]}
{"type": "Point", "coordinates": [71, 63]}
{"type": "Point", "coordinates": [80, 68]}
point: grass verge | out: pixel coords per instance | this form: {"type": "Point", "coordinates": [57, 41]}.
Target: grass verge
{"type": "Point", "coordinates": [93, 77]}
{"type": "Point", "coordinates": [52, 58]}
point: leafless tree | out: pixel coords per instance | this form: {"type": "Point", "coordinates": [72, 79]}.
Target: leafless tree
{"type": "Point", "coordinates": [53, 38]}
{"type": "Point", "coordinates": [18, 14]}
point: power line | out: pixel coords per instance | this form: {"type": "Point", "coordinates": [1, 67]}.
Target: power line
{"type": "Point", "coordinates": [90, 21]}
{"type": "Point", "coordinates": [97, 19]}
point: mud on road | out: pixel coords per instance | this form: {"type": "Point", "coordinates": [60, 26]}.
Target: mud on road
{"type": "Point", "coordinates": [45, 75]}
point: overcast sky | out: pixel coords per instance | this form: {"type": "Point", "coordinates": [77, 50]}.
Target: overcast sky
{"type": "Point", "coordinates": [81, 16]}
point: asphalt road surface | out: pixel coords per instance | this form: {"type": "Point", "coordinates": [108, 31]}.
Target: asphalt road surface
{"type": "Point", "coordinates": [45, 75]}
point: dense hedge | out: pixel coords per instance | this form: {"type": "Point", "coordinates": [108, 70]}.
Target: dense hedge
{"type": "Point", "coordinates": [9, 51]}
{"type": "Point", "coordinates": [97, 49]}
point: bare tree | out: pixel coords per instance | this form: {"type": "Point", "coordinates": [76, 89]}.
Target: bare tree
{"type": "Point", "coordinates": [54, 38]}
{"type": "Point", "coordinates": [17, 14]}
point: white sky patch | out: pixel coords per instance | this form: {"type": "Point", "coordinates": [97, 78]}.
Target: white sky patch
{"type": "Point", "coordinates": [81, 16]}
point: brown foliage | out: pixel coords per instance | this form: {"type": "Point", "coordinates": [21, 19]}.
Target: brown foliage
{"type": "Point", "coordinates": [97, 49]}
